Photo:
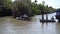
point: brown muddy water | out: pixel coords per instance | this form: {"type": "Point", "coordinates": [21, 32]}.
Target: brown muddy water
{"type": "Point", "coordinates": [9, 25]}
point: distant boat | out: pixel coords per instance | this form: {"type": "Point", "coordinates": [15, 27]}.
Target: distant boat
{"type": "Point", "coordinates": [52, 20]}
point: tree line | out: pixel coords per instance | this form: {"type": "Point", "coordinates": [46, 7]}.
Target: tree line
{"type": "Point", "coordinates": [18, 8]}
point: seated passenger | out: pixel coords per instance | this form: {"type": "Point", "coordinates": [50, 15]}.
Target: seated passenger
{"type": "Point", "coordinates": [52, 18]}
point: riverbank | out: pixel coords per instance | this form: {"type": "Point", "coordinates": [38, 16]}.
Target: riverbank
{"type": "Point", "coordinates": [34, 17]}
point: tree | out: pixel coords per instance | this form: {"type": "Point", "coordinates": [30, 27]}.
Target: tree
{"type": "Point", "coordinates": [41, 8]}
{"type": "Point", "coordinates": [5, 7]}
{"type": "Point", "coordinates": [21, 8]}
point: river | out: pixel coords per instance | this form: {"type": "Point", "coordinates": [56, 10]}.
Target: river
{"type": "Point", "coordinates": [8, 25]}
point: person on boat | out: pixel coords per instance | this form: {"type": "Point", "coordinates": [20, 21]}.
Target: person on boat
{"type": "Point", "coordinates": [52, 18]}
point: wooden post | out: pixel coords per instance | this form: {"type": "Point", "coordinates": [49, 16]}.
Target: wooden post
{"type": "Point", "coordinates": [43, 2]}
{"type": "Point", "coordinates": [42, 18]}
{"type": "Point", "coordinates": [46, 18]}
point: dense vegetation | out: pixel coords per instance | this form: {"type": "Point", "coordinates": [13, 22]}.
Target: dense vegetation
{"type": "Point", "coordinates": [18, 8]}
{"type": "Point", "coordinates": [39, 8]}
{"type": "Point", "coordinates": [5, 8]}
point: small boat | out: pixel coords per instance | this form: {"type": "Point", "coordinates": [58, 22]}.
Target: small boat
{"type": "Point", "coordinates": [52, 20]}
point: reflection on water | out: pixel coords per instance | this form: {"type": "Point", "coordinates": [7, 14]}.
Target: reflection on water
{"type": "Point", "coordinates": [9, 25]}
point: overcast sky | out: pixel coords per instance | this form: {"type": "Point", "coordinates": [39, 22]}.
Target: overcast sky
{"type": "Point", "coordinates": [53, 3]}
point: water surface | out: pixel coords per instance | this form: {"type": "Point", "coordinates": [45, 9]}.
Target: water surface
{"type": "Point", "coordinates": [9, 25]}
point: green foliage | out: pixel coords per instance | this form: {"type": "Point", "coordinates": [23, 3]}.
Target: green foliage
{"type": "Point", "coordinates": [23, 8]}
{"type": "Point", "coordinates": [35, 10]}
{"type": "Point", "coordinates": [20, 8]}
{"type": "Point", "coordinates": [42, 9]}
{"type": "Point", "coordinates": [9, 4]}
{"type": "Point", "coordinates": [5, 7]}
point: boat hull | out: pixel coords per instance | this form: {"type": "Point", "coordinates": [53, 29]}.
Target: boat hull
{"type": "Point", "coordinates": [47, 21]}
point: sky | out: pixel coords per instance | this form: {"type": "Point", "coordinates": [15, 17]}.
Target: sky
{"type": "Point", "coordinates": [54, 3]}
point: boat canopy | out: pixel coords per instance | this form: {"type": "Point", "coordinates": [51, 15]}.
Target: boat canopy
{"type": "Point", "coordinates": [58, 12]}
